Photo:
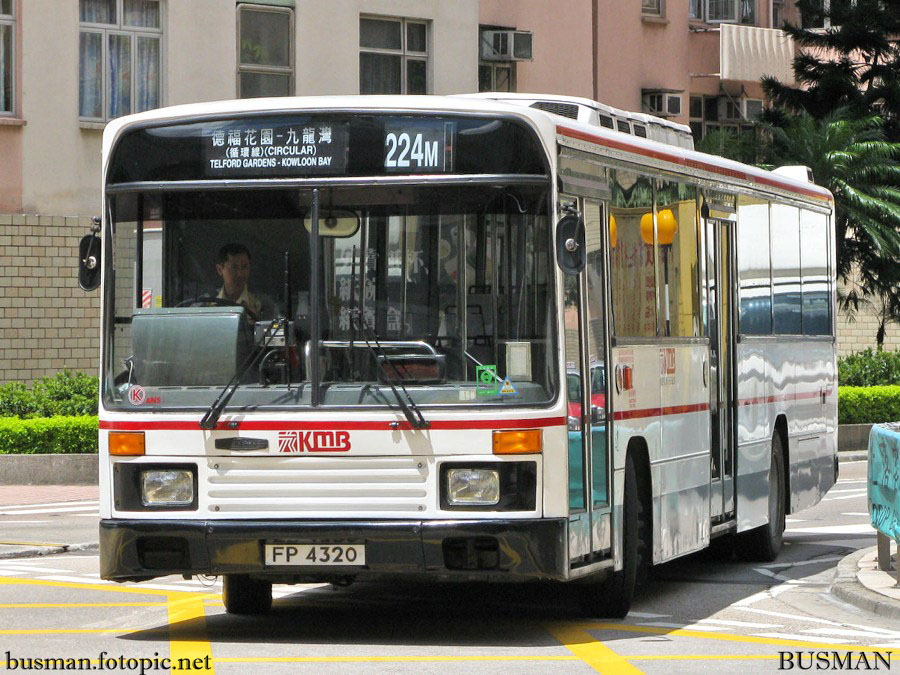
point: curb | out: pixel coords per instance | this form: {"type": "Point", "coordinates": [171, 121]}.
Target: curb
{"type": "Point", "coordinates": [849, 589]}
{"type": "Point", "coordinates": [49, 469]}
{"type": "Point", "coordinates": [49, 550]}
{"type": "Point", "coordinates": [853, 455]}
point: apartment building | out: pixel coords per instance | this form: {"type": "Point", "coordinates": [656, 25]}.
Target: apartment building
{"type": "Point", "coordinates": [67, 67]}
{"type": "Point", "coordinates": [696, 62]}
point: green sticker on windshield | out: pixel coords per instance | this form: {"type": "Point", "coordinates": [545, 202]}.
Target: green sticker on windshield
{"type": "Point", "coordinates": [486, 380]}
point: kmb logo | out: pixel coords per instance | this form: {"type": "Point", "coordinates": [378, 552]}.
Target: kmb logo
{"type": "Point", "coordinates": [313, 441]}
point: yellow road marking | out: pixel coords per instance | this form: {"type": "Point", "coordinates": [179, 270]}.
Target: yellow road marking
{"type": "Point", "coordinates": [593, 652]}
{"type": "Point", "coordinates": [13, 581]}
{"type": "Point", "coordinates": [187, 614]}
{"type": "Point", "coordinates": [29, 543]}
{"type": "Point", "coordinates": [55, 631]}
{"type": "Point", "coordinates": [385, 659]}
{"type": "Point", "coordinates": [701, 657]}
{"type": "Point", "coordinates": [67, 605]}
{"type": "Point", "coordinates": [680, 632]}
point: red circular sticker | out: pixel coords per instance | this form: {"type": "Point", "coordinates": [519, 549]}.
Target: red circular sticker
{"type": "Point", "coordinates": [136, 394]}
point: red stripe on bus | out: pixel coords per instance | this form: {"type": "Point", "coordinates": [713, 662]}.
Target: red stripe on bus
{"type": "Point", "coordinates": [656, 412]}
{"type": "Point", "coordinates": [781, 398]}
{"type": "Point", "coordinates": [689, 163]}
{"type": "Point", "coordinates": [337, 425]}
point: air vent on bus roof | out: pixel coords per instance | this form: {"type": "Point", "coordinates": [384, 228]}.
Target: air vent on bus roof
{"type": "Point", "coordinates": [623, 126]}
{"type": "Point", "coordinates": [640, 130]}
{"type": "Point", "coordinates": [569, 110]}
{"type": "Point", "coordinates": [607, 121]}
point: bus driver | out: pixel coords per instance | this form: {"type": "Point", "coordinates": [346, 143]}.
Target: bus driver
{"type": "Point", "coordinates": [233, 265]}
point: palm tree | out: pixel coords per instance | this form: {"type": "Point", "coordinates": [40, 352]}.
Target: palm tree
{"type": "Point", "coordinates": [850, 156]}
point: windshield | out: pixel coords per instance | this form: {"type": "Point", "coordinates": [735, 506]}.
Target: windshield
{"type": "Point", "coordinates": [446, 289]}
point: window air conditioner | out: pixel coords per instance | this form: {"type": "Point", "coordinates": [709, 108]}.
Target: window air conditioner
{"type": "Point", "coordinates": [506, 45]}
{"type": "Point", "coordinates": [662, 104]}
{"type": "Point", "coordinates": [739, 110]}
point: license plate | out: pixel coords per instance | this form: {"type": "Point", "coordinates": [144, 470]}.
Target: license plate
{"type": "Point", "coordinates": [353, 555]}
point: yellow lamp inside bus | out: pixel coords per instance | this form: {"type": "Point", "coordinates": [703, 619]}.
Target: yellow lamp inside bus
{"type": "Point", "coordinates": [528, 441]}
{"type": "Point", "coordinates": [126, 443]}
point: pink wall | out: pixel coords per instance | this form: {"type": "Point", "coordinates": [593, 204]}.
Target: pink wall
{"type": "Point", "coordinates": [634, 52]}
{"type": "Point", "coordinates": [11, 169]}
{"type": "Point", "coordinates": [11, 137]}
{"type": "Point", "coordinates": [562, 43]}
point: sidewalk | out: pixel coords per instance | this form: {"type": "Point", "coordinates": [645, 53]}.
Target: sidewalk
{"type": "Point", "coordinates": [863, 585]}
{"type": "Point", "coordinates": [20, 495]}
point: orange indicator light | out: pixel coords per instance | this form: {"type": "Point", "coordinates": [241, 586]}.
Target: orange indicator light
{"type": "Point", "coordinates": [528, 441]}
{"type": "Point", "coordinates": [126, 442]}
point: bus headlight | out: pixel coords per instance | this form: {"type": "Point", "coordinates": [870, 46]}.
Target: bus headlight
{"type": "Point", "coordinates": [167, 487]}
{"type": "Point", "coordinates": [473, 487]}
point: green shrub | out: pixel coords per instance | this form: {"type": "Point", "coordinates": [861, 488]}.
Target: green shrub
{"type": "Point", "coordinates": [16, 400]}
{"type": "Point", "coordinates": [868, 405]}
{"type": "Point", "coordinates": [48, 435]}
{"type": "Point", "coordinates": [66, 393]}
{"type": "Point", "coordinates": [869, 368]}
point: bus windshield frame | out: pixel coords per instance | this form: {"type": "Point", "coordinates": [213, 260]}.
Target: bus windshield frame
{"type": "Point", "coordinates": [407, 250]}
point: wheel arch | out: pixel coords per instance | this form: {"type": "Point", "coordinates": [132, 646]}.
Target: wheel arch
{"type": "Point", "coordinates": [640, 454]}
{"type": "Point", "coordinates": [781, 428]}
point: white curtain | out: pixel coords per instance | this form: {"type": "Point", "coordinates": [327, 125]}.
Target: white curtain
{"type": "Point", "coordinates": [98, 11]}
{"type": "Point", "coordinates": [90, 76]}
{"type": "Point", "coordinates": [119, 75]}
{"type": "Point", "coordinates": [5, 68]}
{"type": "Point", "coordinates": [142, 13]}
{"type": "Point", "coordinates": [147, 74]}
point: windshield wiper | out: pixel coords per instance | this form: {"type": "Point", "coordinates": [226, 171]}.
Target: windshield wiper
{"type": "Point", "coordinates": [211, 418]}
{"type": "Point", "coordinates": [410, 409]}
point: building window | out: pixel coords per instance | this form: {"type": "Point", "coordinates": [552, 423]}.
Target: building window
{"type": "Point", "coordinates": [652, 7]}
{"type": "Point", "coordinates": [7, 34]}
{"type": "Point", "coordinates": [496, 76]}
{"type": "Point", "coordinates": [393, 56]}
{"type": "Point", "coordinates": [724, 11]}
{"type": "Point", "coordinates": [823, 13]}
{"type": "Point", "coordinates": [266, 51]}
{"type": "Point", "coordinates": [695, 10]}
{"type": "Point", "coordinates": [777, 13]}
{"type": "Point", "coordinates": [120, 48]}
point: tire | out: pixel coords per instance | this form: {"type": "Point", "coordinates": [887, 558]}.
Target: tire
{"type": "Point", "coordinates": [763, 544]}
{"type": "Point", "coordinates": [243, 595]}
{"type": "Point", "coordinates": [612, 597]}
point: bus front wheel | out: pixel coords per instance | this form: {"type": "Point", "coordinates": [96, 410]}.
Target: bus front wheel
{"type": "Point", "coordinates": [243, 595]}
{"type": "Point", "coordinates": [764, 543]}
{"type": "Point", "coordinates": [612, 597]}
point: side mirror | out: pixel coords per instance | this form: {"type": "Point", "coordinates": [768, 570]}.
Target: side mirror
{"type": "Point", "coordinates": [570, 252]}
{"type": "Point", "coordinates": [89, 262]}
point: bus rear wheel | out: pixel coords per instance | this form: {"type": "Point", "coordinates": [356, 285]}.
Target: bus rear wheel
{"type": "Point", "coordinates": [612, 597]}
{"type": "Point", "coordinates": [243, 595]}
{"type": "Point", "coordinates": [764, 543]}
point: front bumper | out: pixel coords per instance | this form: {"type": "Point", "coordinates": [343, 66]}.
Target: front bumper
{"type": "Point", "coordinates": [513, 550]}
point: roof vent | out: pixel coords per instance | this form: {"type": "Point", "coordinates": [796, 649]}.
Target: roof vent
{"type": "Point", "coordinates": [801, 173]}
{"type": "Point", "coordinates": [569, 110]}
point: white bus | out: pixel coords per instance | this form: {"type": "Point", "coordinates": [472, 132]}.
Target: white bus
{"type": "Point", "coordinates": [442, 271]}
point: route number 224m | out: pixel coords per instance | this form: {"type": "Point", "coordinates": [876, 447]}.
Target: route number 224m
{"type": "Point", "coordinates": [404, 149]}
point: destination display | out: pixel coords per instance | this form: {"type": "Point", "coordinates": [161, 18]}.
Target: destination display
{"type": "Point", "coordinates": [418, 146]}
{"type": "Point", "coordinates": [269, 149]}
{"type": "Point", "coordinates": [299, 145]}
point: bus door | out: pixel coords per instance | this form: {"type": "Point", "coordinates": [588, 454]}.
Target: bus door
{"type": "Point", "coordinates": [719, 290]}
{"type": "Point", "coordinates": [584, 310]}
